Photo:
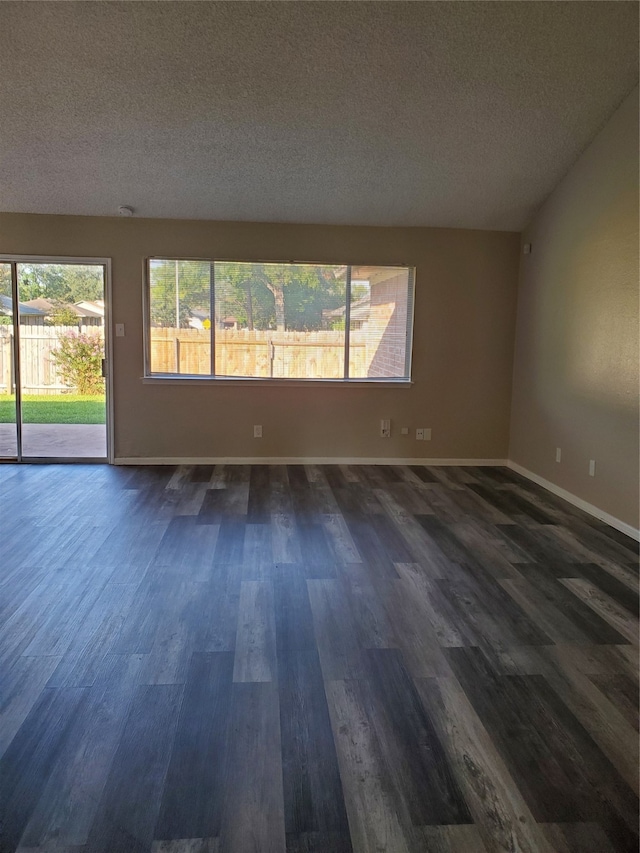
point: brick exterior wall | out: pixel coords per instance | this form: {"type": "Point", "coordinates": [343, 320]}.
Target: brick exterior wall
{"type": "Point", "coordinates": [387, 327]}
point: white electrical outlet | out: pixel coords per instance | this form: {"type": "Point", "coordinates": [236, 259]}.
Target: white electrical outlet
{"type": "Point", "coordinates": [257, 431]}
{"type": "Point", "coordinates": [419, 435]}
{"type": "Point", "coordinates": [385, 429]}
{"type": "Point", "coordinates": [427, 433]}
{"type": "Point", "coordinates": [592, 467]}
{"type": "Point", "coordinates": [558, 454]}
{"type": "Point", "coordinates": [404, 431]}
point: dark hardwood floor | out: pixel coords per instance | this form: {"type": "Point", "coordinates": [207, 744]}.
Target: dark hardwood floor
{"type": "Point", "coordinates": [253, 659]}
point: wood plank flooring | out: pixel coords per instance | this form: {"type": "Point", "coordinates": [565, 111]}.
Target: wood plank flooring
{"type": "Point", "coordinates": [312, 659]}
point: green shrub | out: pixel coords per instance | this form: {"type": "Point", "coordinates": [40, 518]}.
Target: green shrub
{"type": "Point", "coordinates": [62, 315]}
{"type": "Point", "coordinates": [79, 361]}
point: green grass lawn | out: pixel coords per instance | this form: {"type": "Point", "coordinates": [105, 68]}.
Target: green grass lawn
{"type": "Point", "coordinates": [54, 409]}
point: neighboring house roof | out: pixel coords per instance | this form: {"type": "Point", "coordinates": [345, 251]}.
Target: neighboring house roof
{"type": "Point", "coordinates": [360, 309]}
{"type": "Point", "coordinates": [88, 308]}
{"type": "Point", "coordinates": [6, 307]}
{"type": "Point", "coordinates": [200, 313]}
{"type": "Point", "coordinates": [85, 308]}
{"type": "Point", "coordinates": [45, 306]}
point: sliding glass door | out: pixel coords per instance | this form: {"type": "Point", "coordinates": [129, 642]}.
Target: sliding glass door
{"type": "Point", "coordinates": [53, 390]}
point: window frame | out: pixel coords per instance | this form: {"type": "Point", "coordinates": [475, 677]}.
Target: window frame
{"type": "Point", "coordinates": [149, 377]}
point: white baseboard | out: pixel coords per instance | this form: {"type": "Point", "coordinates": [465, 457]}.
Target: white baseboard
{"type": "Point", "coordinates": [297, 460]}
{"type": "Point", "coordinates": [611, 520]}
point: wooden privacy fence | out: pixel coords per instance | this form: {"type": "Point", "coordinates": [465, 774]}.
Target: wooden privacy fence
{"type": "Point", "coordinates": [241, 352]}
{"type": "Point", "coordinates": [38, 369]}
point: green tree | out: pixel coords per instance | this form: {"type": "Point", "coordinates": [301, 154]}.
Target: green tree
{"type": "Point", "coordinates": [171, 308]}
{"type": "Point", "coordinates": [241, 294]}
{"type": "Point", "coordinates": [63, 283]}
{"type": "Point", "coordinates": [5, 280]}
{"type": "Point", "coordinates": [260, 296]}
{"type": "Point", "coordinates": [5, 292]}
{"type": "Point", "coordinates": [62, 315]}
{"type": "Point", "coordinates": [298, 293]}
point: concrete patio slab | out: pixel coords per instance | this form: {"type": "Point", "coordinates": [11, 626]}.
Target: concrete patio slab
{"type": "Point", "coordinates": [56, 440]}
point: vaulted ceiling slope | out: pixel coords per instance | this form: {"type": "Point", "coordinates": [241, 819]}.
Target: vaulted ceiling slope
{"type": "Point", "coordinates": [382, 113]}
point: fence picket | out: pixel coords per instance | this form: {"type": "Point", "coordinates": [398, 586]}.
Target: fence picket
{"type": "Point", "coordinates": [38, 370]}
{"type": "Point", "coordinates": [239, 352]}
{"type": "Point", "coordinates": [260, 353]}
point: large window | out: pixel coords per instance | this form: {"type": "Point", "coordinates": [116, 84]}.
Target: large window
{"type": "Point", "coordinates": [278, 321]}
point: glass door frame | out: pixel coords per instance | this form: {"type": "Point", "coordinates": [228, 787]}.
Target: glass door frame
{"type": "Point", "coordinates": [14, 261]}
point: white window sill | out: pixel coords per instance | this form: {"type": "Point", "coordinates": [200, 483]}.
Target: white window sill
{"type": "Point", "coordinates": [185, 379]}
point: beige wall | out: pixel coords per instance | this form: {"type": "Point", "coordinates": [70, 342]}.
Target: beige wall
{"type": "Point", "coordinates": [466, 284]}
{"type": "Point", "coordinates": [576, 358]}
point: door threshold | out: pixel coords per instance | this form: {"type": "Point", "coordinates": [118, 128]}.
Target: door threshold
{"type": "Point", "coordinates": [61, 460]}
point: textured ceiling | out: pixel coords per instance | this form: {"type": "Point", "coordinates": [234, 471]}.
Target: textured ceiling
{"type": "Point", "coordinates": [383, 113]}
